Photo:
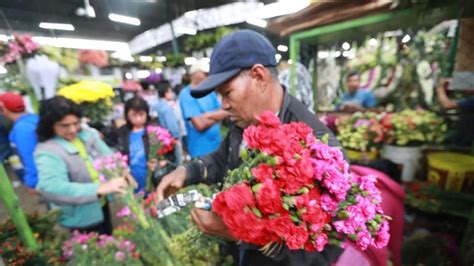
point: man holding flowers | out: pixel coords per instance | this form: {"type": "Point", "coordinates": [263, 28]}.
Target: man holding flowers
{"type": "Point", "coordinates": [243, 72]}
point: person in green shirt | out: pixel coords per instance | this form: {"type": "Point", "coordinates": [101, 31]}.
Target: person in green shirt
{"type": "Point", "coordinates": [67, 178]}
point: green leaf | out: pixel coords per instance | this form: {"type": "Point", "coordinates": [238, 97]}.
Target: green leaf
{"type": "Point", "coordinates": [290, 200]}
{"type": "Point", "coordinates": [343, 215]}
{"type": "Point", "coordinates": [325, 139]}
{"type": "Point", "coordinates": [353, 237]}
{"type": "Point", "coordinates": [294, 218]}
{"type": "Point", "coordinates": [303, 190]}
{"type": "Point", "coordinates": [257, 212]}
{"type": "Point", "coordinates": [256, 187]}
{"type": "Point", "coordinates": [273, 161]}
{"type": "Point", "coordinates": [244, 154]}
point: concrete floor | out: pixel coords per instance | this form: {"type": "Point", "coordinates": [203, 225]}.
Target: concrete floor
{"type": "Point", "coordinates": [28, 201]}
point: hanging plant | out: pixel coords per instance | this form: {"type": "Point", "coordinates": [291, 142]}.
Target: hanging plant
{"type": "Point", "coordinates": [63, 56]}
{"type": "Point", "coordinates": [173, 60]}
{"type": "Point", "coordinates": [206, 39]}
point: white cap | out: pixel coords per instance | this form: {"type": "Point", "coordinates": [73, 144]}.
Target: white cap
{"type": "Point", "coordinates": [200, 65]}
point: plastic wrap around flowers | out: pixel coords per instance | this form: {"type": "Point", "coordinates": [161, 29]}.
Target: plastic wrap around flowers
{"type": "Point", "coordinates": [294, 189]}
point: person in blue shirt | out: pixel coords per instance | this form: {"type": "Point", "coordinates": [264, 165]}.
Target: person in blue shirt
{"type": "Point", "coordinates": [5, 149]}
{"type": "Point", "coordinates": [167, 116]}
{"type": "Point", "coordinates": [356, 98]}
{"type": "Point", "coordinates": [133, 141]}
{"type": "Point", "coordinates": [202, 115]}
{"type": "Point", "coordinates": [22, 136]}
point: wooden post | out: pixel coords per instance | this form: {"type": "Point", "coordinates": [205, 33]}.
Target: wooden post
{"type": "Point", "coordinates": [12, 205]}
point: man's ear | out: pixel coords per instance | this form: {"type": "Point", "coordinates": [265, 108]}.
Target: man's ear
{"type": "Point", "coordinates": [260, 76]}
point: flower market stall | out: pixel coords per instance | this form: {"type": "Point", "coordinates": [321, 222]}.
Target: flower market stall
{"type": "Point", "coordinates": [387, 178]}
{"type": "Point", "coordinates": [401, 51]}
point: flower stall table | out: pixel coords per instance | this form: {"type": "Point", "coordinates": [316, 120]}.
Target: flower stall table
{"type": "Point", "coordinates": [434, 200]}
{"type": "Point", "coordinates": [11, 203]}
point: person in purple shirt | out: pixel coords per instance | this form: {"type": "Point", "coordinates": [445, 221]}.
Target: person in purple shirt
{"type": "Point", "coordinates": [356, 98]}
{"type": "Point", "coordinates": [22, 136]}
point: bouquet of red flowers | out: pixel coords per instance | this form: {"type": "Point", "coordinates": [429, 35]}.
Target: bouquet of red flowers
{"type": "Point", "coordinates": [296, 190]}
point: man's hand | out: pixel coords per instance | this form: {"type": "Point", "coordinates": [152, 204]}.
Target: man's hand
{"type": "Point", "coordinates": [171, 183]}
{"type": "Point", "coordinates": [210, 223]}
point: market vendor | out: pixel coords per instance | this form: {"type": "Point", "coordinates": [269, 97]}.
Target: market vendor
{"type": "Point", "coordinates": [356, 98]}
{"type": "Point", "coordinates": [464, 135]}
{"type": "Point", "coordinates": [243, 72]}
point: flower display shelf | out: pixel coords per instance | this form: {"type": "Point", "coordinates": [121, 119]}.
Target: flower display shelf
{"type": "Point", "coordinates": [431, 199]}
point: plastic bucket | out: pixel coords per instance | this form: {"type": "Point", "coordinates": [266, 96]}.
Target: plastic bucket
{"type": "Point", "coordinates": [451, 171]}
{"type": "Point", "coordinates": [407, 157]}
{"type": "Point", "coordinates": [361, 156]}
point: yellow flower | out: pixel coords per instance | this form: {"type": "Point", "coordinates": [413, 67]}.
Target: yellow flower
{"type": "Point", "coordinates": [88, 91]}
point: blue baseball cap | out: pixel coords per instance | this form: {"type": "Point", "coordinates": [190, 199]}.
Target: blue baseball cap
{"type": "Point", "coordinates": [237, 51]}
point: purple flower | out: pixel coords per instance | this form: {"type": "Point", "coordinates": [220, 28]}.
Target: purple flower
{"type": "Point", "coordinates": [364, 239]}
{"type": "Point", "coordinates": [120, 256]}
{"type": "Point", "coordinates": [382, 237]}
{"type": "Point", "coordinates": [328, 203]}
{"type": "Point", "coordinates": [362, 122]}
{"type": "Point", "coordinates": [102, 178]}
{"type": "Point", "coordinates": [124, 212]}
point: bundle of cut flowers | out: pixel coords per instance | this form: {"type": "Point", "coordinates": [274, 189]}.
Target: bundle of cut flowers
{"type": "Point", "coordinates": [413, 127]}
{"type": "Point", "coordinates": [295, 190]}
{"type": "Point", "coordinates": [187, 244]}
{"type": "Point", "coordinates": [19, 46]}
{"type": "Point", "coordinates": [94, 97]}
{"type": "Point", "coordinates": [95, 249]}
{"type": "Point", "coordinates": [360, 132]}
{"type": "Point", "coordinates": [147, 232]}
{"type": "Point", "coordinates": [161, 145]}
{"type": "Point", "coordinates": [94, 57]}
{"type": "Point", "coordinates": [116, 166]}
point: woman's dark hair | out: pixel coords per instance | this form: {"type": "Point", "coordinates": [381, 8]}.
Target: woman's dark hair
{"type": "Point", "coordinates": [163, 87]}
{"type": "Point", "coordinates": [138, 104]}
{"type": "Point", "coordinates": [52, 111]}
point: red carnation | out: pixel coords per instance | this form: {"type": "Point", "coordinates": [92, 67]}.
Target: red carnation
{"type": "Point", "coordinates": [262, 171]}
{"type": "Point", "coordinates": [269, 119]}
{"type": "Point", "coordinates": [296, 237]}
{"type": "Point", "coordinates": [269, 198]}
